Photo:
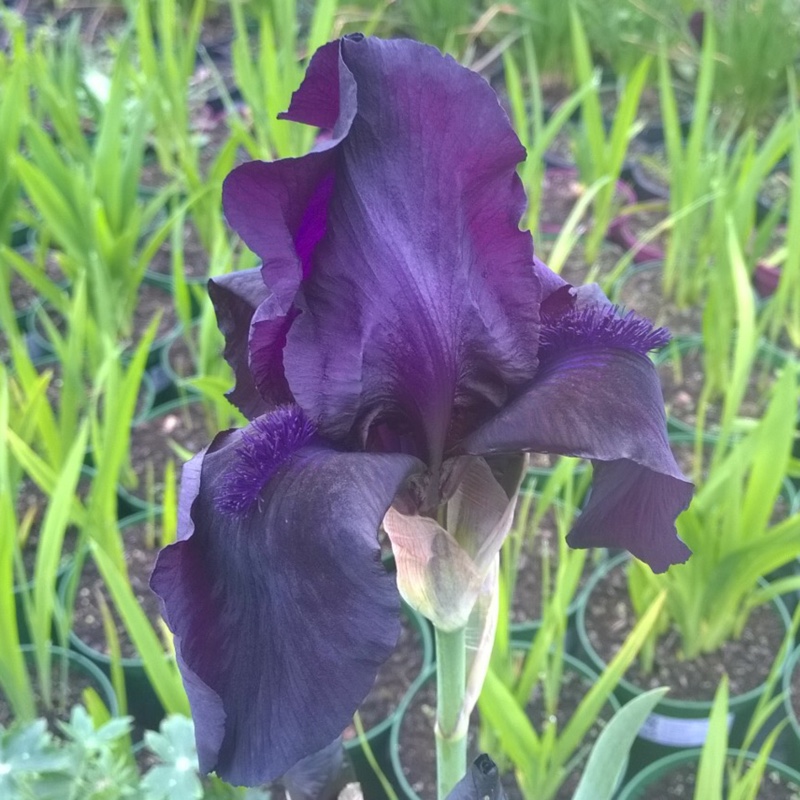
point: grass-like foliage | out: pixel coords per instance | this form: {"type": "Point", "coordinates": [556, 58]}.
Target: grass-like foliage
{"type": "Point", "coordinates": [732, 528]}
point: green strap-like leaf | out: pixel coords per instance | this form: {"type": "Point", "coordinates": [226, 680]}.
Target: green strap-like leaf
{"type": "Point", "coordinates": [711, 771]}
{"type": "Point", "coordinates": [599, 779]}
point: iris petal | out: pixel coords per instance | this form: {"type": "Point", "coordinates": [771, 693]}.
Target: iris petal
{"type": "Point", "coordinates": [599, 400]}
{"type": "Point", "coordinates": [402, 318]}
{"type": "Point", "coordinates": [281, 609]}
{"type": "Point", "coordinates": [436, 318]}
{"type": "Point", "coordinates": [268, 331]}
{"type": "Point", "coordinates": [236, 296]}
{"type": "Point", "coordinates": [280, 208]}
{"type": "Point", "coordinates": [317, 101]}
{"type": "Point", "coordinates": [634, 509]}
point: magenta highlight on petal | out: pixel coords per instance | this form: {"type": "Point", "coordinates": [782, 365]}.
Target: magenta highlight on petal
{"type": "Point", "coordinates": [600, 326]}
{"type": "Point", "coordinates": [266, 444]}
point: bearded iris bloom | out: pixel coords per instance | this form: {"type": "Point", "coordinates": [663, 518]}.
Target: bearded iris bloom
{"type": "Point", "coordinates": [398, 340]}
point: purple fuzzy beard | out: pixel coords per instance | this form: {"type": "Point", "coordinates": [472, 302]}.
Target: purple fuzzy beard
{"type": "Point", "coordinates": [598, 326]}
{"type": "Point", "coordinates": [265, 446]}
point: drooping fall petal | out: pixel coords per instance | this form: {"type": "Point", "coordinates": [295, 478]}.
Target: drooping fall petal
{"type": "Point", "coordinates": [281, 609]}
{"type": "Point", "coordinates": [597, 396]}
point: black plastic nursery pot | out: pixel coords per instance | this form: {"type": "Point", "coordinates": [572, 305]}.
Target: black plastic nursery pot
{"type": "Point", "coordinates": [790, 738]}
{"type": "Point", "coordinates": [196, 287]}
{"type": "Point", "coordinates": [790, 496]}
{"type": "Point", "coordinates": [128, 505]}
{"type": "Point", "coordinates": [195, 259]}
{"type": "Point", "coordinates": [145, 406]}
{"type": "Point", "coordinates": [70, 547]}
{"type": "Point", "coordinates": [674, 725]}
{"type": "Point", "coordinates": [525, 630]}
{"type": "Point", "coordinates": [164, 281]}
{"type": "Point", "coordinates": [24, 296]}
{"type": "Point", "coordinates": [143, 703]}
{"type": "Point", "coordinates": [555, 158]}
{"type": "Point", "coordinates": [157, 298]}
{"type": "Point", "coordinates": [652, 133]}
{"type": "Point", "coordinates": [647, 186]}
{"type": "Point", "coordinates": [642, 785]}
{"type": "Point", "coordinates": [165, 391]}
{"type": "Point", "coordinates": [147, 398]}
{"type": "Point", "coordinates": [23, 631]}
{"type": "Point", "coordinates": [652, 130]}
{"type": "Point", "coordinates": [177, 367]}
{"type": "Point", "coordinates": [142, 700]}
{"type": "Point", "coordinates": [20, 235]}
{"type": "Point", "coordinates": [377, 737]}
{"type": "Point", "coordinates": [403, 774]}
{"type": "Point", "coordinates": [80, 671]}
{"type": "Point", "coordinates": [766, 204]}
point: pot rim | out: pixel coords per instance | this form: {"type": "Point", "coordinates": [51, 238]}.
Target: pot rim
{"type": "Point", "coordinates": [697, 708]}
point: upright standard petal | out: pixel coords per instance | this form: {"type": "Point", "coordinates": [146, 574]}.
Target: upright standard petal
{"type": "Point", "coordinates": [280, 210]}
{"type": "Point", "coordinates": [281, 609]}
{"type": "Point", "coordinates": [597, 396]}
{"type": "Point", "coordinates": [423, 275]}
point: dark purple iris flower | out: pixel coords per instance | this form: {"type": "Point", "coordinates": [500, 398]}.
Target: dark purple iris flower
{"type": "Point", "coordinates": [399, 326]}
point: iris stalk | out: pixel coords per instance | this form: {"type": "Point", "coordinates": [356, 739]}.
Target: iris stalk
{"type": "Point", "coordinates": [451, 723]}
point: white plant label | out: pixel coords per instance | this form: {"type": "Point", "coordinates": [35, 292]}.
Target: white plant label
{"type": "Point", "coordinates": [674, 732]}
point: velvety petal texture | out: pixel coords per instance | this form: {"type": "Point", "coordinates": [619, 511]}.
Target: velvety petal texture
{"type": "Point", "coordinates": [281, 609]}
{"type": "Point", "coordinates": [596, 395]}
{"type": "Point", "coordinates": [404, 321]}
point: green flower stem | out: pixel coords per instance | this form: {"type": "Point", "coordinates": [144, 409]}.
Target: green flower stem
{"type": "Point", "coordinates": [451, 729]}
